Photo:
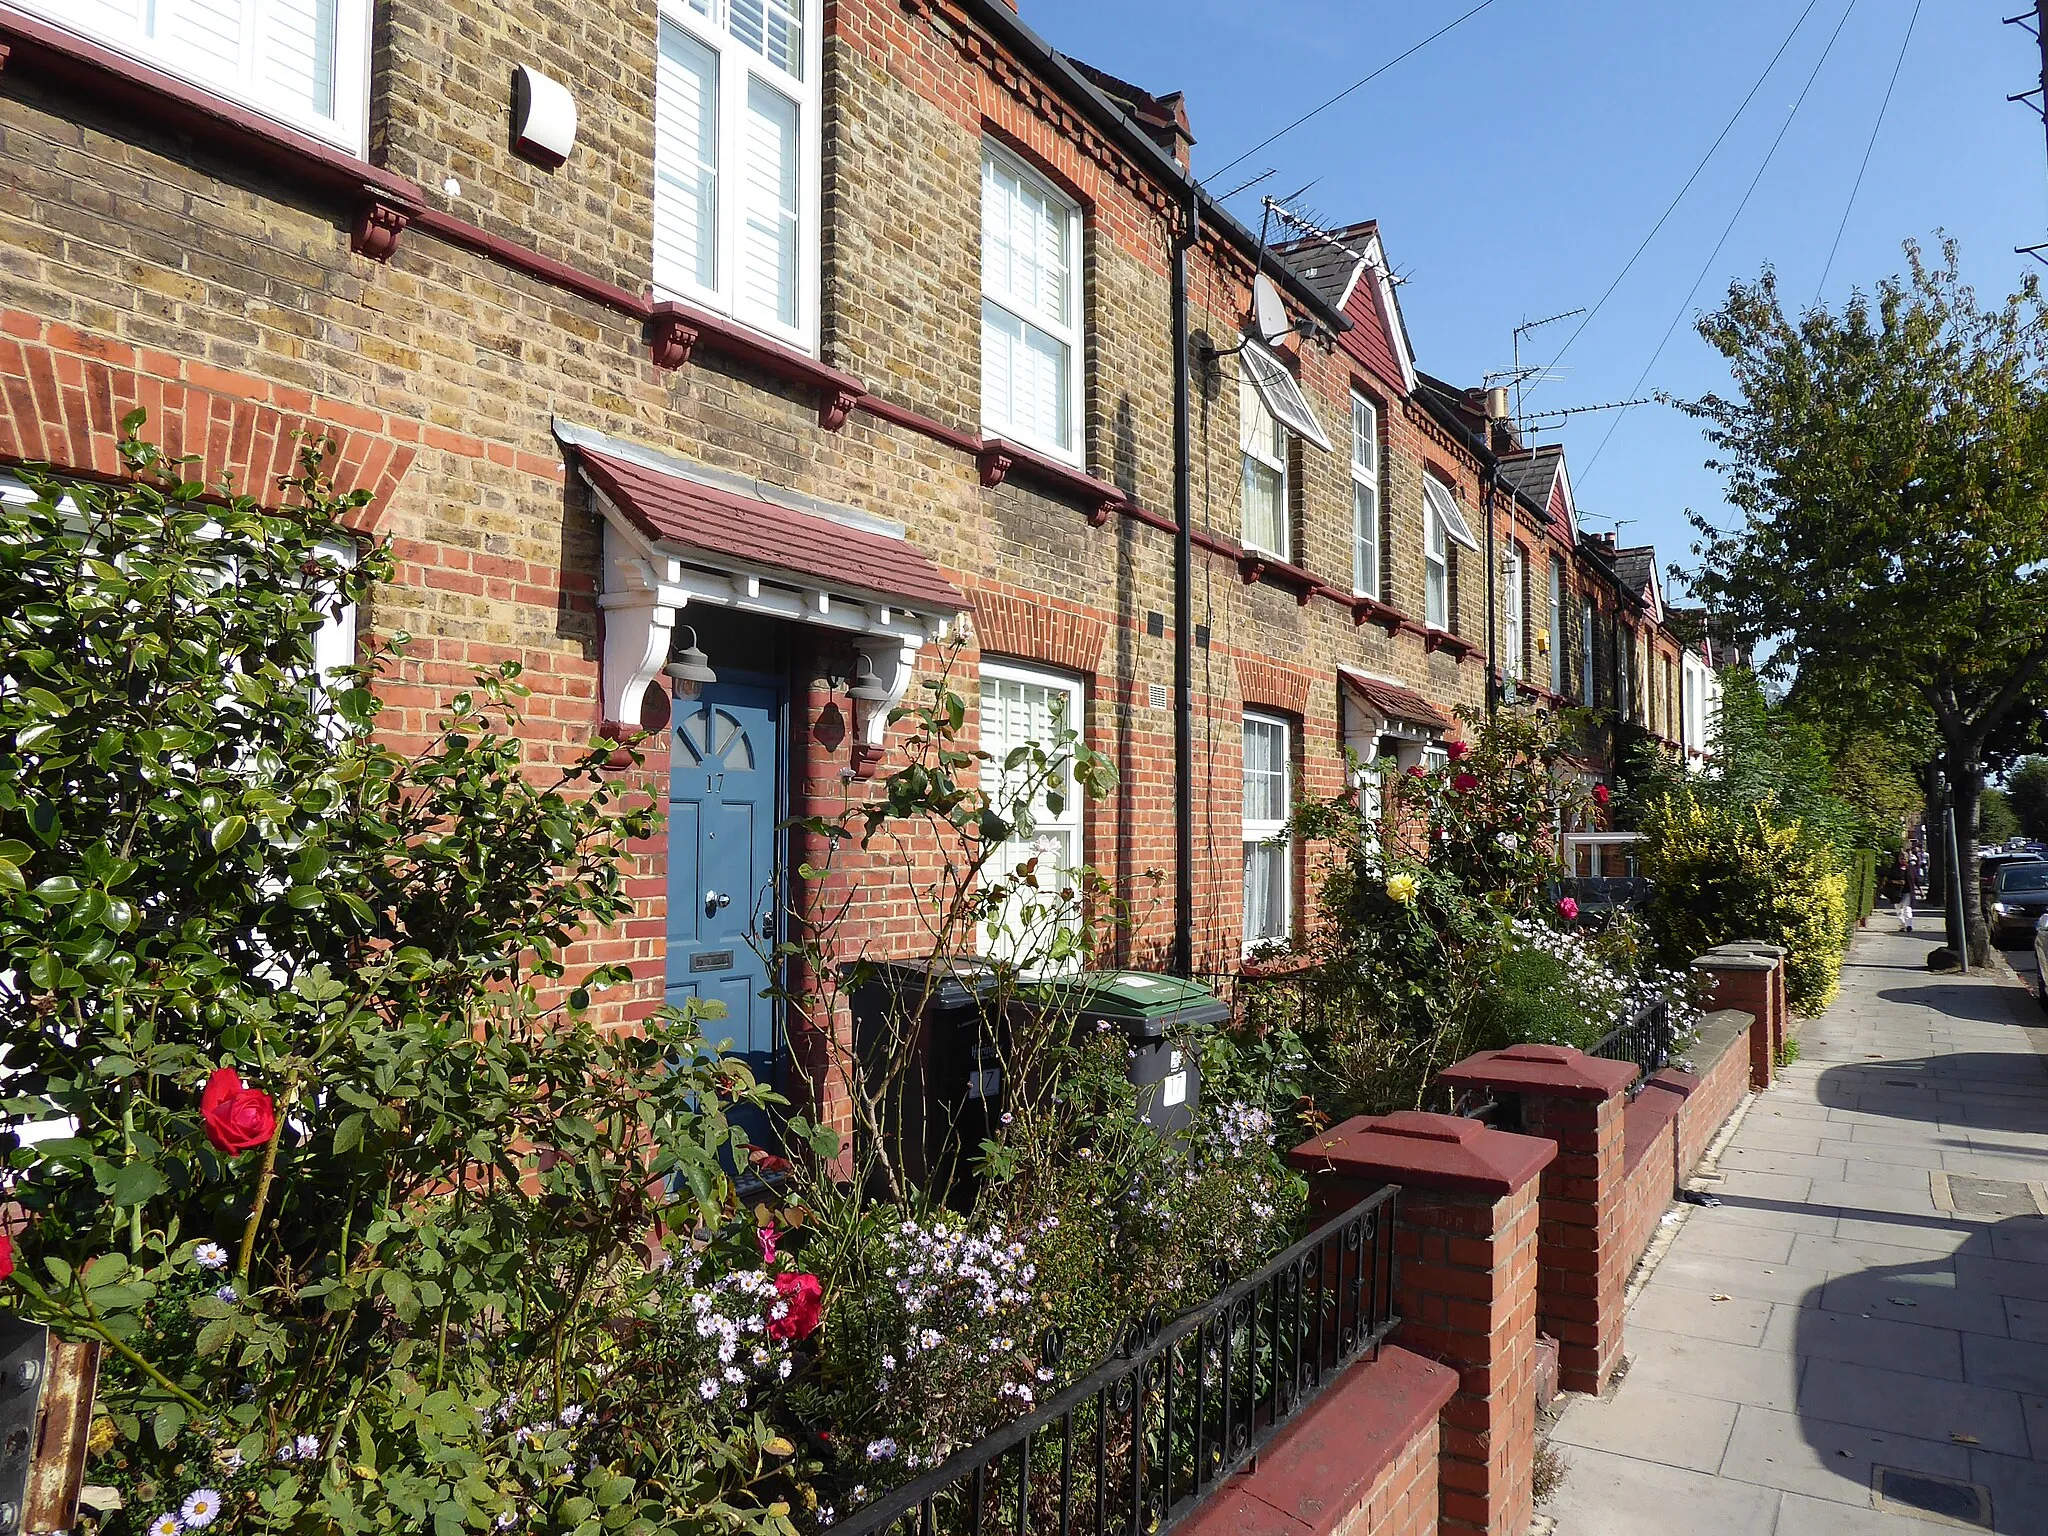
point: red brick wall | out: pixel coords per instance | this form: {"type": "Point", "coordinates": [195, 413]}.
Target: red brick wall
{"type": "Point", "coordinates": [1404, 1501]}
{"type": "Point", "coordinates": [1650, 1161]}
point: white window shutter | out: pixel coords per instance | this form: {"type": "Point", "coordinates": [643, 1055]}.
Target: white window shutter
{"type": "Point", "coordinates": [685, 162]}
{"type": "Point", "coordinates": [297, 52]}
{"type": "Point", "coordinates": [768, 237]}
{"type": "Point", "coordinates": [205, 37]}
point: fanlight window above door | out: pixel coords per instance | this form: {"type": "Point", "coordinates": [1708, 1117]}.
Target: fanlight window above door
{"type": "Point", "coordinates": [715, 739]}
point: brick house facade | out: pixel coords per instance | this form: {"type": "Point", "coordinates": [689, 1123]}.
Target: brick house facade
{"type": "Point", "coordinates": [619, 404]}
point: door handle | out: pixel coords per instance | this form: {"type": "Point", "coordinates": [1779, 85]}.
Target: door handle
{"type": "Point", "coordinates": [715, 901]}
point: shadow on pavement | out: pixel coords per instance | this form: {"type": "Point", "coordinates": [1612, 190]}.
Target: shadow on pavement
{"type": "Point", "coordinates": [1973, 1090]}
{"type": "Point", "coordinates": [1933, 1366]}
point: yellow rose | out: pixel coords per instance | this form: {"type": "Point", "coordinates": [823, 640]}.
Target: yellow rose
{"type": "Point", "coordinates": [1401, 888]}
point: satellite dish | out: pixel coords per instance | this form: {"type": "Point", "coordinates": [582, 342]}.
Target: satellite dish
{"type": "Point", "coordinates": [1268, 312]}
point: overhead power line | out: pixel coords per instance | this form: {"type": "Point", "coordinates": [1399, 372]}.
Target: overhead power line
{"type": "Point", "coordinates": [1727, 128]}
{"type": "Point", "coordinates": [1898, 64]}
{"type": "Point", "coordinates": [1355, 86]}
{"type": "Point", "coordinates": [1726, 230]}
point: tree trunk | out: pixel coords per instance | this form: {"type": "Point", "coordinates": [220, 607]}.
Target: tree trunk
{"type": "Point", "coordinates": [1966, 788]}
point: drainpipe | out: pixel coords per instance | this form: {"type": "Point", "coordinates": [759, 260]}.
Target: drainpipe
{"type": "Point", "coordinates": [1183, 605]}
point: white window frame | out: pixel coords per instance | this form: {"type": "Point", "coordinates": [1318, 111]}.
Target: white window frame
{"type": "Point", "coordinates": [1271, 456]}
{"type": "Point", "coordinates": [1365, 496]}
{"type": "Point", "coordinates": [1264, 832]}
{"type": "Point", "coordinates": [1513, 629]}
{"type": "Point", "coordinates": [1280, 393]}
{"type": "Point", "coordinates": [1589, 618]}
{"type": "Point", "coordinates": [1436, 559]}
{"type": "Point", "coordinates": [1556, 630]}
{"type": "Point", "coordinates": [1069, 333]}
{"type": "Point", "coordinates": [1072, 819]}
{"type": "Point", "coordinates": [704, 23]}
{"type": "Point", "coordinates": [144, 34]}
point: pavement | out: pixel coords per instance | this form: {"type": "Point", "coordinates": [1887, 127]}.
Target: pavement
{"type": "Point", "coordinates": [1840, 1335]}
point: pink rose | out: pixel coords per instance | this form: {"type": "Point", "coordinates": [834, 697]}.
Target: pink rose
{"type": "Point", "coordinates": [1457, 750]}
{"type": "Point", "coordinates": [1568, 910]}
{"type": "Point", "coordinates": [766, 1237]}
{"type": "Point", "coordinates": [237, 1118]}
{"type": "Point", "coordinates": [803, 1302]}
{"type": "Point", "coordinates": [1416, 773]}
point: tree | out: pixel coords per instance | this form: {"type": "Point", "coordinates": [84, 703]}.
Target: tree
{"type": "Point", "coordinates": [1890, 467]}
{"type": "Point", "coordinates": [2028, 791]}
{"type": "Point", "coordinates": [1996, 822]}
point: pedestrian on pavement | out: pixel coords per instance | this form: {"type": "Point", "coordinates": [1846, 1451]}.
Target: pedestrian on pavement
{"type": "Point", "coordinates": [1898, 888]}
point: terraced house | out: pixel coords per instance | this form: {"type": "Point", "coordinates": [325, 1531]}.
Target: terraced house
{"type": "Point", "coordinates": [734, 363]}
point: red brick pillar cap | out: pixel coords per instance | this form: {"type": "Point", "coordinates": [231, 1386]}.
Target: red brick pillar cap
{"type": "Point", "coordinates": [1734, 960]}
{"type": "Point", "coordinates": [1553, 1071]}
{"type": "Point", "coordinates": [1426, 1151]}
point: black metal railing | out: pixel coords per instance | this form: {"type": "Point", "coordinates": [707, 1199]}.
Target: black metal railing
{"type": "Point", "coordinates": [1260, 1001]}
{"type": "Point", "coordinates": [1644, 1037]}
{"type": "Point", "coordinates": [1136, 1444]}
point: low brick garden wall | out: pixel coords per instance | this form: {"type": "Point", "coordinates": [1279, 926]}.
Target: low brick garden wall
{"type": "Point", "coordinates": [1669, 1127]}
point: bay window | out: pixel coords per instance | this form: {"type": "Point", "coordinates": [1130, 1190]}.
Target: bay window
{"type": "Point", "coordinates": [303, 63]}
{"type": "Point", "coordinates": [735, 161]}
{"type": "Point", "coordinates": [1031, 351]}
{"type": "Point", "coordinates": [1268, 849]}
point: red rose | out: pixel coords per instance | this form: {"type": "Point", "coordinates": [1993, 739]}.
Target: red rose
{"type": "Point", "coordinates": [1416, 772]}
{"type": "Point", "coordinates": [1568, 910]}
{"type": "Point", "coordinates": [1456, 751]}
{"type": "Point", "coordinates": [1465, 783]}
{"type": "Point", "coordinates": [803, 1307]}
{"type": "Point", "coordinates": [237, 1118]}
{"type": "Point", "coordinates": [1601, 795]}
{"type": "Point", "coordinates": [6, 1255]}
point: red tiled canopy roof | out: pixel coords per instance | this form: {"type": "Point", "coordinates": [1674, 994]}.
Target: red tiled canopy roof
{"type": "Point", "coordinates": [689, 515]}
{"type": "Point", "coordinates": [1396, 702]}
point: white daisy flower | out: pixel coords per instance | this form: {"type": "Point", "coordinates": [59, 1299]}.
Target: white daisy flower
{"type": "Point", "coordinates": [210, 1256]}
{"type": "Point", "coordinates": [200, 1509]}
{"type": "Point", "coordinates": [165, 1524]}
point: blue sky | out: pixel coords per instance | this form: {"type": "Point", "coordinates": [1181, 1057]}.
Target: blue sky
{"type": "Point", "coordinates": [1516, 163]}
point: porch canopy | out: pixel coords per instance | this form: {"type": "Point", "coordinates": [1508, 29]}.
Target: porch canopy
{"type": "Point", "coordinates": [677, 533]}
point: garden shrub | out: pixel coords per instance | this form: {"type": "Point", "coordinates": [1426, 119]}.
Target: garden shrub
{"type": "Point", "coordinates": [1728, 872]}
{"type": "Point", "coordinates": [1410, 908]}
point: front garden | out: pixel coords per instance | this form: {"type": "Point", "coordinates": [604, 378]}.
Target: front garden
{"type": "Point", "coordinates": [311, 1128]}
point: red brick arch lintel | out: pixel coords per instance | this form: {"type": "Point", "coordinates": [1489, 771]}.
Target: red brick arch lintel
{"type": "Point", "coordinates": [63, 394]}
{"type": "Point", "coordinates": [1273, 685]}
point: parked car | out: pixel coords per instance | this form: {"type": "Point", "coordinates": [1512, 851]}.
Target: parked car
{"type": "Point", "coordinates": [2041, 961]}
{"type": "Point", "coordinates": [1991, 860]}
{"type": "Point", "coordinates": [2019, 895]}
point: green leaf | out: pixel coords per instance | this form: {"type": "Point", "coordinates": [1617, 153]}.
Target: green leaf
{"type": "Point", "coordinates": [227, 832]}
{"type": "Point", "coordinates": [214, 1337]}
{"type": "Point", "coordinates": [169, 1422]}
{"type": "Point", "coordinates": [57, 891]}
{"type": "Point", "coordinates": [135, 1183]}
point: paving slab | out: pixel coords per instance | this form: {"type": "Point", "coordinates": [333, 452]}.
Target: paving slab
{"type": "Point", "coordinates": [1609, 1495]}
{"type": "Point", "coordinates": [1803, 1333]}
{"type": "Point", "coordinates": [1798, 1453]}
{"type": "Point", "coordinates": [1677, 1429]}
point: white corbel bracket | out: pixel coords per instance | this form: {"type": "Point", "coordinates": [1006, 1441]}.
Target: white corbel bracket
{"type": "Point", "coordinates": [887, 666]}
{"type": "Point", "coordinates": [639, 618]}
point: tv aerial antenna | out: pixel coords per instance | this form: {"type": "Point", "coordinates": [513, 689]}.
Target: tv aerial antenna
{"type": "Point", "coordinates": [1520, 376]}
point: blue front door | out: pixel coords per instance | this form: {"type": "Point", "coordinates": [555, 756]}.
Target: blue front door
{"type": "Point", "coordinates": [724, 782]}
